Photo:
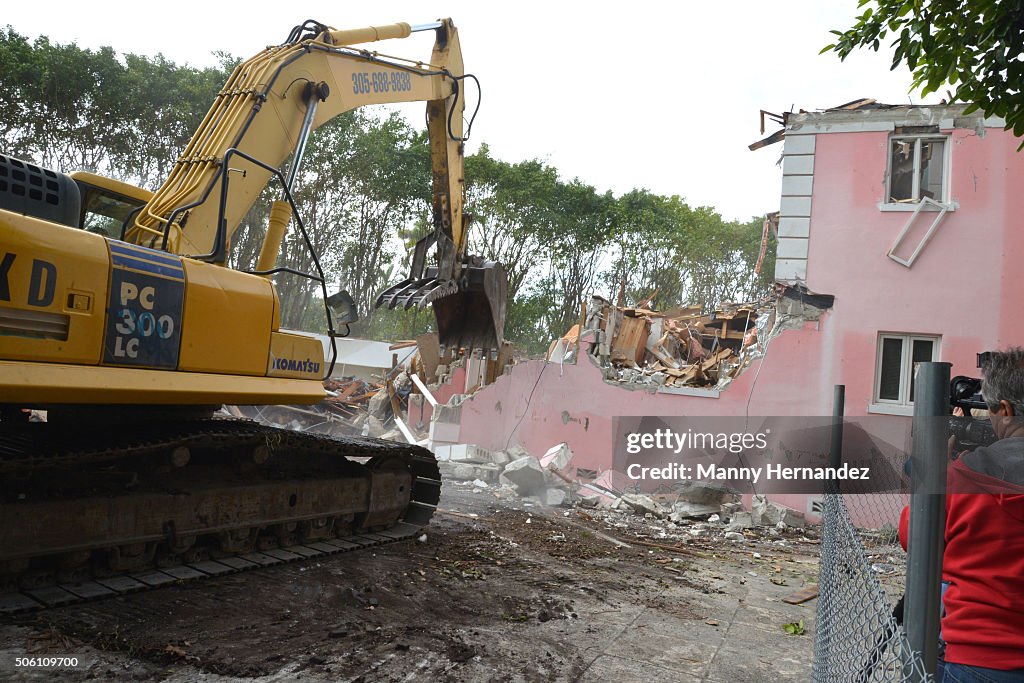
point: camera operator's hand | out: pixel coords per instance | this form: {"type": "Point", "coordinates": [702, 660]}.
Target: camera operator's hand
{"type": "Point", "coordinates": [951, 452]}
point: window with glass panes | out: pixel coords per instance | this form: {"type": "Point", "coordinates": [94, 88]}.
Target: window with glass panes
{"type": "Point", "coordinates": [898, 355]}
{"type": "Point", "coordinates": [917, 168]}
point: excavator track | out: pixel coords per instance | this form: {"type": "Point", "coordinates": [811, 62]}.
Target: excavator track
{"type": "Point", "coordinates": [94, 511]}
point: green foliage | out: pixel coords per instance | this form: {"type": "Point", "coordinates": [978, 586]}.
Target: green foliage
{"type": "Point", "coordinates": [975, 46]}
{"type": "Point", "coordinates": [363, 181]}
{"type": "Point", "coordinates": [795, 629]}
{"type": "Point", "coordinates": [69, 108]}
{"type": "Point", "coordinates": [513, 210]}
{"type": "Point", "coordinates": [686, 255]}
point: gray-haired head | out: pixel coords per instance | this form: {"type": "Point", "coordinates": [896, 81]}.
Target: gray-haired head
{"type": "Point", "coordinates": [1003, 379]}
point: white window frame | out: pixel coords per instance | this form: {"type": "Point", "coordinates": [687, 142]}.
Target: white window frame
{"type": "Point", "coordinates": [902, 405]}
{"type": "Point", "coordinates": [944, 201]}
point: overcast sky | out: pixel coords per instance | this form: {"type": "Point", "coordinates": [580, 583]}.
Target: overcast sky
{"type": "Point", "coordinates": [656, 95]}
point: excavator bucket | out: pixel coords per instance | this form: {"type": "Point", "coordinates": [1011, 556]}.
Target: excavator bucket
{"type": "Point", "coordinates": [474, 317]}
{"type": "Point", "coordinates": [470, 309]}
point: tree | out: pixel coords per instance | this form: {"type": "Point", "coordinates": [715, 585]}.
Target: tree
{"type": "Point", "coordinates": [583, 225]}
{"type": "Point", "coordinates": [652, 234]}
{"type": "Point", "coordinates": [512, 210]}
{"type": "Point", "coordinates": [69, 108]}
{"type": "Point", "coordinates": [976, 46]}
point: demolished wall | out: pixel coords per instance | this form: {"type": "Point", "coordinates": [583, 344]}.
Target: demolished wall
{"type": "Point", "coordinates": [540, 402]}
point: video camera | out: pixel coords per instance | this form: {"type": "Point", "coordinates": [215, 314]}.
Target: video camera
{"type": "Point", "coordinates": [965, 393]}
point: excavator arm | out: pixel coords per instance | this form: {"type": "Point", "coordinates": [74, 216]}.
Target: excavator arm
{"type": "Point", "coordinates": [264, 115]}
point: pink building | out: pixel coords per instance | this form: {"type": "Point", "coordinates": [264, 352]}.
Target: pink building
{"type": "Point", "coordinates": [907, 215]}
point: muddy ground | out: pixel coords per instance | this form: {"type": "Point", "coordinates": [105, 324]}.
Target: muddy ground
{"type": "Point", "coordinates": [497, 591]}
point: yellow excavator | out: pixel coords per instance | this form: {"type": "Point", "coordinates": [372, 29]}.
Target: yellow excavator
{"type": "Point", "coordinates": [130, 342]}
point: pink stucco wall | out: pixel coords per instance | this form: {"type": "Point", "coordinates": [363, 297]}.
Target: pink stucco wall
{"type": "Point", "coordinates": [964, 286]}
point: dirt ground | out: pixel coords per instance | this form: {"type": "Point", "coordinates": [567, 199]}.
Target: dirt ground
{"type": "Point", "coordinates": [498, 591]}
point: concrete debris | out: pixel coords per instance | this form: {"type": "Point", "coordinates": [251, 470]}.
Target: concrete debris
{"type": "Point", "coordinates": [734, 536]}
{"type": "Point", "coordinates": [707, 494]}
{"type": "Point", "coordinates": [461, 452]}
{"type": "Point", "coordinates": [591, 491]}
{"type": "Point", "coordinates": [516, 451]}
{"type": "Point", "coordinates": [379, 405]}
{"type": "Point", "coordinates": [730, 509]}
{"type": "Point", "coordinates": [527, 475]}
{"type": "Point", "coordinates": [554, 497]}
{"type": "Point", "coordinates": [739, 521]}
{"type": "Point", "coordinates": [769, 513]}
{"type": "Point", "coordinates": [643, 504]}
{"type": "Point", "coordinates": [557, 457]}
{"type": "Point", "coordinates": [688, 510]}
{"type": "Point", "coordinates": [465, 471]}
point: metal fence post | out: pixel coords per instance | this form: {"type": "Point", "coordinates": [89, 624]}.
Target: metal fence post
{"type": "Point", "coordinates": [826, 635]}
{"type": "Point", "coordinates": [927, 511]}
{"type": "Point", "coordinates": [838, 410]}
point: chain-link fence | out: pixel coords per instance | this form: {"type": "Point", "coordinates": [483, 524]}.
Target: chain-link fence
{"type": "Point", "coordinates": [857, 639]}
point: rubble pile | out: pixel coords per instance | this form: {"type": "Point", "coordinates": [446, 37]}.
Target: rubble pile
{"type": "Point", "coordinates": [672, 525]}
{"type": "Point", "coordinates": [680, 347]}
{"type": "Point", "coordinates": [512, 472]}
{"type": "Point", "coordinates": [694, 511]}
{"type": "Point", "coordinates": [348, 396]}
{"type": "Point", "coordinates": [367, 407]}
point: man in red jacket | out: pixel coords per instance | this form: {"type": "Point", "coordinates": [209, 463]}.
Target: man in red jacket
{"type": "Point", "coordinates": [983, 561]}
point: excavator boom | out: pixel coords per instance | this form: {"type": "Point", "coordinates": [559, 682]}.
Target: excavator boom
{"type": "Point", "coordinates": [266, 111]}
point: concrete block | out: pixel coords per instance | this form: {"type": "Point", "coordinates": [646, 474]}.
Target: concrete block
{"type": "Point", "coordinates": [444, 432]}
{"type": "Point", "coordinates": [527, 475]}
{"type": "Point", "coordinates": [765, 512]}
{"type": "Point", "coordinates": [557, 457]}
{"type": "Point", "coordinates": [796, 185]}
{"type": "Point", "coordinates": [500, 457]}
{"type": "Point", "coordinates": [462, 452]}
{"type": "Point", "coordinates": [465, 471]}
{"type": "Point", "coordinates": [448, 413]}
{"type": "Point", "coordinates": [379, 404]}
{"type": "Point", "coordinates": [687, 510]}
{"type": "Point", "coordinates": [794, 226]}
{"type": "Point", "coordinates": [798, 144]}
{"type": "Point", "coordinates": [791, 270]}
{"type": "Point", "coordinates": [731, 508]}
{"type": "Point", "coordinates": [516, 451]}
{"type": "Point", "coordinates": [739, 521]}
{"type": "Point", "coordinates": [555, 497]}
{"type": "Point", "coordinates": [795, 206]}
{"type": "Point", "coordinates": [598, 495]}
{"type": "Point", "coordinates": [798, 165]}
{"type": "Point", "coordinates": [792, 247]}
{"type": "Point", "coordinates": [706, 494]}
{"type": "Point", "coordinates": [643, 504]}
